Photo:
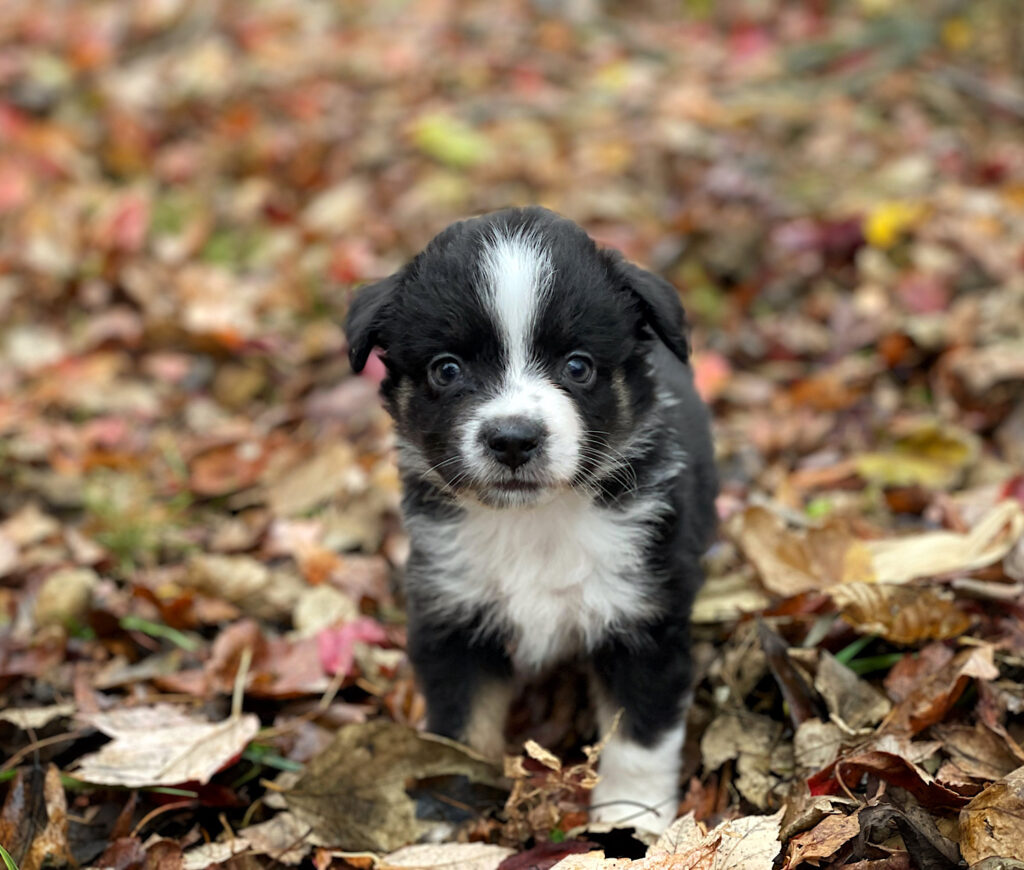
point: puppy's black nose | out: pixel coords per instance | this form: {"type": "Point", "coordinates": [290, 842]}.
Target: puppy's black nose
{"type": "Point", "coordinates": [513, 442]}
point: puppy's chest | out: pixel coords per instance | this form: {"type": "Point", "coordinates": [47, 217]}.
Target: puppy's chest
{"type": "Point", "coordinates": [555, 579]}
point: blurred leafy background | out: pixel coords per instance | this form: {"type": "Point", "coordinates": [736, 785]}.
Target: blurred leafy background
{"type": "Point", "coordinates": [198, 500]}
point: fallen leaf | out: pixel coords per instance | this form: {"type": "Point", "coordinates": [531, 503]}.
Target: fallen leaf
{"type": "Point", "coordinates": [847, 772]}
{"type": "Point", "coordinates": [353, 794]}
{"type": "Point", "coordinates": [122, 853]}
{"type": "Point", "coordinates": [748, 843]}
{"type": "Point", "coordinates": [907, 674]}
{"type": "Point", "coordinates": [901, 614]}
{"type": "Point", "coordinates": [595, 860]}
{"type": "Point", "coordinates": [977, 750]}
{"type": "Point", "coordinates": [450, 140]}
{"type": "Point", "coordinates": [208, 854]}
{"type": "Point", "coordinates": [853, 703]}
{"type": "Point", "coordinates": [763, 759]}
{"type": "Point", "coordinates": [331, 472]}
{"type": "Point", "coordinates": [930, 456]}
{"type": "Point", "coordinates": [887, 222]}
{"type": "Point", "coordinates": [544, 856]}
{"type": "Point", "coordinates": [64, 596]}
{"type": "Point", "coordinates": [34, 820]}
{"type": "Point", "coordinates": [792, 683]}
{"type": "Point", "coordinates": [242, 580]}
{"type": "Point", "coordinates": [282, 838]}
{"type": "Point", "coordinates": [823, 840]}
{"type": "Point", "coordinates": [726, 598]}
{"type": "Point", "coordinates": [929, 702]}
{"type": "Point", "coordinates": [36, 717]}
{"type": "Point", "coordinates": [992, 824]}
{"type": "Point", "coordinates": [899, 560]}
{"type": "Point", "coordinates": [817, 744]}
{"type": "Point", "coordinates": [791, 562]}
{"type": "Point", "coordinates": [444, 856]}
{"type": "Point", "coordinates": [161, 745]}
{"type": "Point", "coordinates": [337, 645]}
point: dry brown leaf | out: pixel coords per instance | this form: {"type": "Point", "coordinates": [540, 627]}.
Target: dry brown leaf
{"type": "Point", "coordinates": [208, 854]}
{"type": "Point", "coordinates": [930, 455]}
{"type": "Point", "coordinates": [748, 843]}
{"type": "Point", "coordinates": [282, 837]}
{"type": "Point", "coordinates": [446, 856]}
{"type": "Point", "coordinates": [992, 825]}
{"type": "Point", "coordinates": [901, 614]}
{"type": "Point", "coordinates": [817, 744]}
{"type": "Point", "coordinates": [853, 703]}
{"type": "Point", "coordinates": [900, 560]}
{"type": "Point", "coordinates": [353, 794]}
{"type": "Point", "coordinates": [907, 674]}
{"type": "Point", "coordinates": [242, 580]}
{"type": "Point", "coordinates": [723, 599]}
{"type": "Point", "coordinates": [976, 750]}
{"type": "Point", "coordinates": [34, 826]}
{"type": "Point", "coordinates": [929, 702]}
{"type": "Point", "coordinates": [595, 860]}
{"type": "Point", "coordinates": [36, 717]}
{"type": "Point", "coordinates": [791, 562]}
{"type": "Point", "coordinates": [64, 596]}
{"type": "Point", "coordinates": [764, 761]}
{"type": "Point", "coordinates": [331, 472]}
{"type": "Point", "coordinates": [823, 840]}
{"type": "Point", "coordinates": [162, 745]}
{"type": "Point", "coordinates": [846, 773]}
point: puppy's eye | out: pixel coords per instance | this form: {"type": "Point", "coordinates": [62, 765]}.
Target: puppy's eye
{"type": "Point", "coordinates": [444, 371]}
{"type": "Point", "coordinates": [579, 368]}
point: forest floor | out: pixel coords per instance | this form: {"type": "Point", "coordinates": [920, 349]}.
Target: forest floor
{"type": "Point", "coordinates": [201, 642]}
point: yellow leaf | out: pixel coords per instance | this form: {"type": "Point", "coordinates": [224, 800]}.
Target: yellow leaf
{"type": "Point", "coordinates": [957, 34]}
{"type": "Point", "coordinates": [888, 221]}
{"type": "Point", "coordinates": [451, 141]}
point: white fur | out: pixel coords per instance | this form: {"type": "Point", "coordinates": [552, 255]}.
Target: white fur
{"type": "Point", "coordinates": [556, 577]}
{"type": "Point", "coordinates": [639, 785]}
{"type": "Point", "coordinates": [517, 275]}
{"type": "Point", "coordinates": [535, 399]}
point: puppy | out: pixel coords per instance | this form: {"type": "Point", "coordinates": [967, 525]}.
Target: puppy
{"type": "Point", "coordinates": [558, 483]}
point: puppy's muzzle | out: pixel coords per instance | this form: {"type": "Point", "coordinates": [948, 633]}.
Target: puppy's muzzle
{"type": "Point", "coordinates": [512, 441]}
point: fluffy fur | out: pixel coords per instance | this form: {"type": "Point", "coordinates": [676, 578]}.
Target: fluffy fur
{"type": "Point", "coordinates": [558, 484]}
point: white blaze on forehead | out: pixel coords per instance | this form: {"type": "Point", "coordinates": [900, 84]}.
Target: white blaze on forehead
{"type": "Point", "coordinates": [517, 274]}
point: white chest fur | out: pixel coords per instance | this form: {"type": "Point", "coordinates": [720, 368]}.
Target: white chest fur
{"type": "Point", "coordinates": [556, 577]}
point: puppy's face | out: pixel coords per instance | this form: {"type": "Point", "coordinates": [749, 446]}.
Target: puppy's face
{"type": "Point", "coordinates": [517, 356]}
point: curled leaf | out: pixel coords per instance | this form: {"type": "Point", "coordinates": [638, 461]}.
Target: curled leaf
{"type": "Point", "coordinates": [901, 614]}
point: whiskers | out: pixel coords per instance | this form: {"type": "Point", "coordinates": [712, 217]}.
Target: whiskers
{"type": "Point", "coordinates": [609, 464]}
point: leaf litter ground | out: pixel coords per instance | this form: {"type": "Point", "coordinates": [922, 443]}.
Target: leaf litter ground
{"type": "Point", "coordinates": [201, 647]}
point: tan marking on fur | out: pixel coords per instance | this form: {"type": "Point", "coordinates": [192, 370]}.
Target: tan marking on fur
{"type": "Point", "coordinates": [403, 395]}
{"type": "Point", "coordinates": [622, 396]}
{"type": "Point", "coordinates": [486, 729]}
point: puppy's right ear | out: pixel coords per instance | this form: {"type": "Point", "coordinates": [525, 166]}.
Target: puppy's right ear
{"type": "Point", "coordinates": [365, 320]}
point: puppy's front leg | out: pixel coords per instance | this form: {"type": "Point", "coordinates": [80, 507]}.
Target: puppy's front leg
{"type": "Point", "coordinates": [466, 680]}
{"type": "Point", "coordinates": [639, 766]}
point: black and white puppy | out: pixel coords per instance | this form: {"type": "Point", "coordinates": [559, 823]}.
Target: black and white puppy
{"type": "Point", "coordinates": [558, 484]}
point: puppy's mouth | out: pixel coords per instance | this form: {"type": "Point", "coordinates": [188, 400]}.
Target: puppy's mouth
{"type": "Point", "coordinates": [526, 486]}
{"type": "Point", "coordinates": [511, 492]}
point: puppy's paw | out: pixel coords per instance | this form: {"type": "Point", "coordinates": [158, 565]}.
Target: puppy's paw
{"type": "Point", "coordinates": [638, 784]}
{"type": "Point", "coordinates": [633, 810]}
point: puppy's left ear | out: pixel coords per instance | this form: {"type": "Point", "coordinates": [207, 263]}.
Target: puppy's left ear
{"type": "Point", "coordinates": [365, 320]}
{"type": "Point", "coordinates": [658, 301]}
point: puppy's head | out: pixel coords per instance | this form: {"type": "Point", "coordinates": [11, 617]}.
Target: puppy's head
{"type": "Point", "coordinates": [517, 356]}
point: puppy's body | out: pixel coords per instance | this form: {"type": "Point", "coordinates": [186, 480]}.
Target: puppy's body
{"type": "Point", "coordinates": [558, 484]}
